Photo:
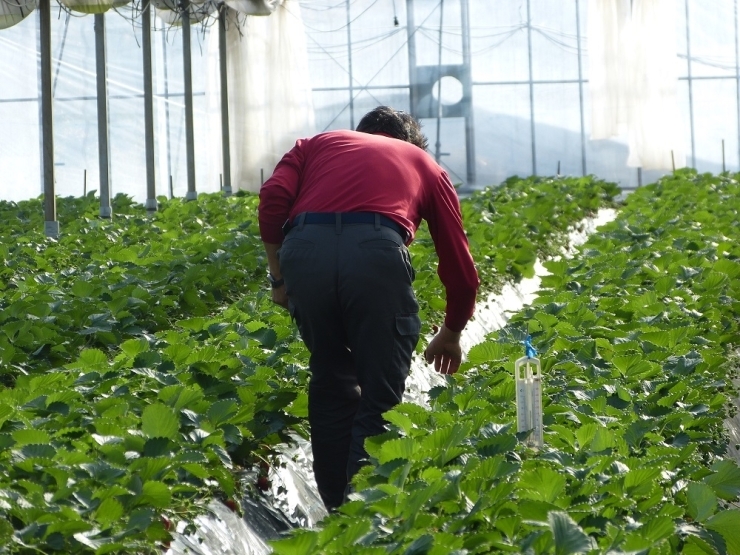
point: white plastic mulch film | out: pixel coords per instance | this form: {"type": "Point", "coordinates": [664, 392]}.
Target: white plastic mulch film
{"type": "Point", "coordinates": [604, 87]}
{"type": "Point", "coordinates": [634, 79]}
{"type": "Point", "coordinates": [270, 97]}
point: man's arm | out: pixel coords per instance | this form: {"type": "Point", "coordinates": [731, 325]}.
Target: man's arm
{"type": "Point", "coordinates": [279, 295]}
{"type": "Point", "coordinates": [456, 271]}
{"type": "Point", "coordinates": [445, 351]}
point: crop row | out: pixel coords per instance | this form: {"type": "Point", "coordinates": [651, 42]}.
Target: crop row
{"type": "Point", "coordinates": [636, 336]}
{"type": "Point", "coordinates": [143, 363]}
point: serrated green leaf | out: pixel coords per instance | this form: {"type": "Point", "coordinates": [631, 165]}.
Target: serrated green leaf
{"type": "Point", "coordinates": [727, 524]}
{"type": "Point", "coordinates": [569, 537]}
{"type": "Point", "coordinates": [702, 501]}
{"type": "Point", "coordinates": [220, 411]}
{"type": "Point", "coordinates": [726, 480]}
{"type": "Point", "coordinates": [156, 494]}
{"type": "Point", "coordinates": [134, 347]}
{"type": "Point", "coordinates": [402, 448]}
{"type": "Point", "coordinates": [159, 420]}
{"type": "Point", "coordinates": [28, 436]}
{"type": "Point", "coordinates": [300, 543]}
{"type": "Point", "coordinates": [109, 511]}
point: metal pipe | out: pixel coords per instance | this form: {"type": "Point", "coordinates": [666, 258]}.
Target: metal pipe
{"type": "Point", "coordinates": [531, 89]}
{"type": "Point", "coordinates": [225, 141]}
{"type": "Point", "coordinates": [101, 68]}
{"type": "Point", "coordinates": [188, 78]}
{"type": "Point", "coordinates": [167, 110]}
{"type": "Point", "coordinates": [580, 88]}
{"type": "Point", "coordinates": [411, 32]}
{"type": "Point", "coordinates": [737, 78]}
{"type": "Point", "coordinates": [351, 76]}
{"type": "Point", "coordinates": [61, 55]}
{"type": "Point", "coordinates": [691, 88]}
{"type": "Point", "coordinates": [438, 144]}
{"type": "Point", "coordinates": [146, 43]}
{"type": "Point", "coordinates": [51, 225]}
{"type": "Point", "coordinates": [468, 87]}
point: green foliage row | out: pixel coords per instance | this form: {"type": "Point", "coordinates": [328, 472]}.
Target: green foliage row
{"type": "Point", "coordinates": [144, 364]}
{"type": "Point", "coordinates": [636, 336]}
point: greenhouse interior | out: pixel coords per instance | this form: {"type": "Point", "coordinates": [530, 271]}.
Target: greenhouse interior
{"type": "Point", "coordinates": [154, 394]}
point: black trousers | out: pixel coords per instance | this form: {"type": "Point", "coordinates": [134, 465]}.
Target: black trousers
{"type": "Point", "coordinates": [350, 291]}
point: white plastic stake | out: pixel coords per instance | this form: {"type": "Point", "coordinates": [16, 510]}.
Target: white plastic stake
{"type": "Point", "coordinates": [528, 373]}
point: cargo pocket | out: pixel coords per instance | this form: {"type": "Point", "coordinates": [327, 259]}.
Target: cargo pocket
{"type": "Point", "coordinates": [408, 324]}
{"type": "Point", "coordinates": [408, 327]}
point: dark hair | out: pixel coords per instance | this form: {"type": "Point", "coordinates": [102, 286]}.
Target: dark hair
{"type": "Point", "coordinates": [397, 124]}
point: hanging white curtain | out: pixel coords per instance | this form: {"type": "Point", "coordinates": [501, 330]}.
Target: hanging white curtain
{"type": "Point", "coordinates": [634, 79]}
{"type": "Point", "coordinates": [608, 24]}
{"type": "Point", "coordinates": [270, 97]}
{"type": "Point", "coordinates": [254, 7]}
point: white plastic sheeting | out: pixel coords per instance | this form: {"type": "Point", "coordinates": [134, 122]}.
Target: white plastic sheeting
{"type": "Point", "coordinates": [532, 101]}
{"type": "Point", "coordinates": [270, 97]}
{"type": "Point", "coordinates": [634, 79]}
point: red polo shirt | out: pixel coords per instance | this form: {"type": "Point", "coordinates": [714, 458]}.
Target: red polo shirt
{"type": "Point", "coordinates": [348, 171]}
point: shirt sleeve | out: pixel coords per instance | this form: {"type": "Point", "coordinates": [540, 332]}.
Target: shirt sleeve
{"type": "Point", "coordinates": [456, 268]}
{"type": "Point", "coordinates": [278, 194]}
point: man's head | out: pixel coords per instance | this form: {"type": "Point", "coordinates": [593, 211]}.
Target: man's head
{"type": "Point", "coordinates": [397, 124]}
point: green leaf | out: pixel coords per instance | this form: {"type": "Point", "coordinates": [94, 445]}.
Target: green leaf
{"type": "Point", "coordinates": [639, 481]}
{"type": "Point", "coordinates": [91, 359]}
{"type": "Point", "coordinates": [221, 411]}
{"type": "Point", "coordinates": [542, 483]}
{"type": "Point", "coordinates": [300, 543]}
{"type": "Point", "coordinates": [702, 501]}
{"type": "Point", "coordinates": [486, 352]}
{"type": "Point", "coordinates": [402, 448]}
{"type": "Point", "coordinates": [134, 347]}
{"type": "Point", "coordinates": [726, 479]}
{"type": "Point", "coordinates": [569, 537]}
{"type": "Point", "coordinates": [109, 511]}
{"type": "Point", "coordinates": [156, 494]}
{"type": "Point", "coordinates": [159, 420]}
{"type": "Point", "coordinates": [29, 436]}
{"type": "Point", "coordinates": [420, 545]}
{"type": "Point", "coordinates": [727, 524]}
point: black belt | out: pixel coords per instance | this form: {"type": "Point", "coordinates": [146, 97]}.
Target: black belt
{"type": "Point", "coordinates": [340, 218]}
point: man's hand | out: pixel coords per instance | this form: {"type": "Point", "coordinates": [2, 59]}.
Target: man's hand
{"type": "Point", "coordinates": [279, 296]}
{"type": "Point", "coordinates": [445, 351]}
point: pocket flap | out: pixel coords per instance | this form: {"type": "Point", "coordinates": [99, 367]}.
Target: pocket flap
{"type": "Point", "coordinates": [408, 324]}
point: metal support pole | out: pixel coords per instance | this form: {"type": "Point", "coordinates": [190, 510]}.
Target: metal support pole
{"type": "Point", "coordinates": [438, 144]}
{"type": "Point", "coordinates": [51, 225]}
{"type": "Point", "coordinates": [531, 88]}
{"type": "Point", "coordinates": [102, 91]}
{"type": "Point", "coordinates": [146, 42]}
{"type": "Point", "coordinates": [580, 88]}
{"type": "Point", "coordinates": [411, 32]}
{"type": "Point", "coordinates": [691, 88]}
{"type": "Point", "coordinates": [351, 76]}
{"type": "Point", "coordinates": [188, 78]}
{"type": "Point", "coordinates": [737, 78]}
{"type": "Point", "coordinates": [225, 141]}
{"type": "Point", "coordinates": [468, 87]}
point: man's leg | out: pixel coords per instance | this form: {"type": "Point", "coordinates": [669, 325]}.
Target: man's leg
{"type": "Point", "coordinates": [308, 263]}
{"type": "Point", "coordinates": [382, 324]}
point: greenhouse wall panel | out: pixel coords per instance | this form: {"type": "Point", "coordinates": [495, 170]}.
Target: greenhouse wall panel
{"type": "Point", "coordinates": [528, 88]}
